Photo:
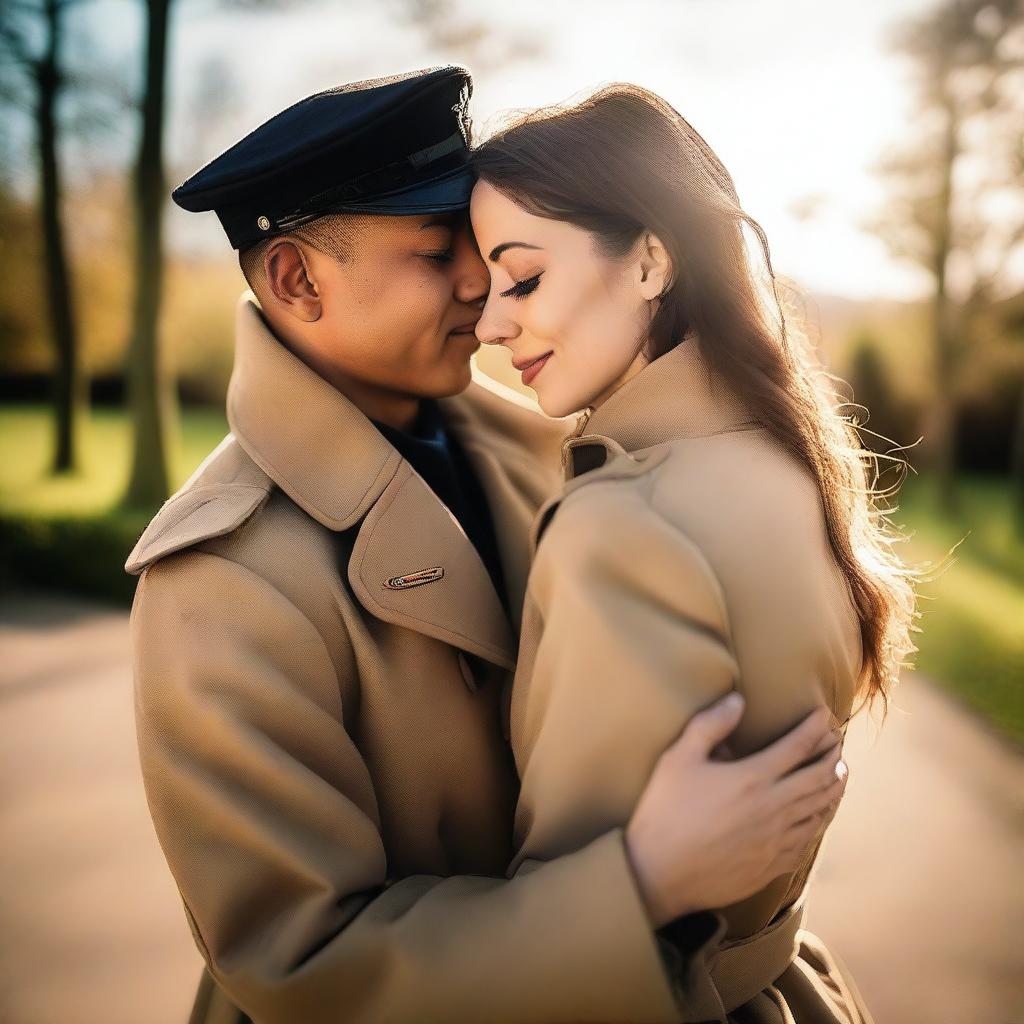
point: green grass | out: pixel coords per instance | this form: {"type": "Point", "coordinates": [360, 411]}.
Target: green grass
{"type": "Point", "coordinates": [972, 608]}
{"type": "Point", "coordinates": [69, 532]}
{"type": "Point", "coordinates": [26, 445]}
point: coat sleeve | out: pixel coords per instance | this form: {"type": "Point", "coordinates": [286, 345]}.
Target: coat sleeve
{"type": "Point", "coordinates": [266, 814]}
{"type": "Point", "coordinates": [625, 637]}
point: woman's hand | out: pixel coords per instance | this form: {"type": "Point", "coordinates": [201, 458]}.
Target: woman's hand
{"type": "Point", "coordinates": [707, 833]}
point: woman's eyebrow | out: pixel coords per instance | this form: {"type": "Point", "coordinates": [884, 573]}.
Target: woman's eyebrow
{"type": "Point", "coordinates": [499, 249]}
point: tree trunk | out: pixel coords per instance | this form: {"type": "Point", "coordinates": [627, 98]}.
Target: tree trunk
{"type": "Point", "coordinates": [69, 386]}
{"type": "Point", "coordinates": [1017, 469]}
{"type": "Point", "coordinates": [943, 412]}
{"type": "Point", "coordinates": [150, 387]}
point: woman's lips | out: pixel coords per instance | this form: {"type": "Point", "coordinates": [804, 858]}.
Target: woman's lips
{"type": "Point", "coordinates": [531, 370]}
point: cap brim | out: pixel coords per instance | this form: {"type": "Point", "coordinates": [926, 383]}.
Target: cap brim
{"type": "Point", "coordinates": [442, 195]}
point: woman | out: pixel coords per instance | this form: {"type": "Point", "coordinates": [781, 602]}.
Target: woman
{"type": "Point", "coordinates": [716, 529]}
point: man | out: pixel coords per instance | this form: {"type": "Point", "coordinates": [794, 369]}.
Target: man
{"type": "Point", "coordinates": [324, 626]}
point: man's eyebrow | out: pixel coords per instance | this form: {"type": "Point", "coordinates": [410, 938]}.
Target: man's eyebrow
{"type": "Point", "coordinates": [499, 249]}
{"type": "Point", "coordinates": [443, 220]}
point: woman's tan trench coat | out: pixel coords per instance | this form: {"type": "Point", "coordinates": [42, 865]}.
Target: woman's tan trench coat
{"type": "Point", "coordinates": [322, 683]}
{"type": "Point", "coordinates": [686, 556]}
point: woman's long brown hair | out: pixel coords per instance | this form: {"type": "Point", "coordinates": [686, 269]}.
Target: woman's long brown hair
{"type": "Point", "coordinates": [623, 161]}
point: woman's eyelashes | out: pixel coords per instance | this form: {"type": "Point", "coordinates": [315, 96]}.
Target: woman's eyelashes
{"type": "Point", "coordinates": [522, 288]}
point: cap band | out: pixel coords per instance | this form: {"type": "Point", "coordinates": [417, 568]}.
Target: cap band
{"type": "Point", "coordinates": [449, 154]}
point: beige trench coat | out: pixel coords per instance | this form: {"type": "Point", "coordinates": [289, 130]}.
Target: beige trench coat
{"type": "Point", "coordinates": [687, 556]}
{"type": "Point", "coordinates": [321, 671]}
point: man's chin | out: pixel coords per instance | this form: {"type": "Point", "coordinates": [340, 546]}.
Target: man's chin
{"type": "Point", "coordinates": [451, 381]}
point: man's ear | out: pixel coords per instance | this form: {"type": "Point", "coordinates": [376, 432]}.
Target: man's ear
{"type": "Point", "coordinates": [656, 270]}
{"type": "Point", "coordinates": [291, 280]}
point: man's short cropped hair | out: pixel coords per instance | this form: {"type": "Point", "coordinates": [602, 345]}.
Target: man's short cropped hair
{"type": "Point", "coordinates": [334, 235]}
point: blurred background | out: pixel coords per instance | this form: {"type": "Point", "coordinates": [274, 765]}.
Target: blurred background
{"type": "Point", "coordinates": [881, 147]}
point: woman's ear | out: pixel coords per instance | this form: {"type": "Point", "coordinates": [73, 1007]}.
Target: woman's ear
{"type": "Point", "coordinates": [656, 270]}
{"type": "Point", "coordinates": [291, 280]}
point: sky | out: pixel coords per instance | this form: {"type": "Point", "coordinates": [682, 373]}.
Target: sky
{"type": "Point", "coordinates": [800, 98]}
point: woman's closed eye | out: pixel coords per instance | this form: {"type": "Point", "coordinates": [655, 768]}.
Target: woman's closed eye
{"type": "Point", "coordinates": [522, 288]}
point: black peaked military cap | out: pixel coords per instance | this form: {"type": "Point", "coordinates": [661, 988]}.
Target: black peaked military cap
{"type": "Point", "coordinates": [397, 145]}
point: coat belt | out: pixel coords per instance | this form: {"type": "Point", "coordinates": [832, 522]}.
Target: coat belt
{"type": "Point", "coordinates": [742, 970]}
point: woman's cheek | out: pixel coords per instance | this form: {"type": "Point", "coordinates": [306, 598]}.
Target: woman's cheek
{"type": "Point", "coordinates": [555, 321]}
{"type": "Point", "coordinates": [542, 324]}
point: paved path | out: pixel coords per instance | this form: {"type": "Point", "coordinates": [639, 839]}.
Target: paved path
{"type": "Point", "coordinates": [919, 889]}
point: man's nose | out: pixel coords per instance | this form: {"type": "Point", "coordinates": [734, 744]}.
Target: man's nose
{"type": "Point", "coordinates": [472, 281]}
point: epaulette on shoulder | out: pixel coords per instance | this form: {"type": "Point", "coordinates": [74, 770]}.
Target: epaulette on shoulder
{"type": "Point", "coordinates": [597, 460]}
{"type": "Point", "coordinates": [221, 495]}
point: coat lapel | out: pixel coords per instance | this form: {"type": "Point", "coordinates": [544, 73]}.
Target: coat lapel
{"type": "Point", "coordinates": [412, 563]}
{"type": "Point", "coordinates": [513, 449]}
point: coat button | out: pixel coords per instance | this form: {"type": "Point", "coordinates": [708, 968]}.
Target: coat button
{"type": "Point", "coordinates": [467, 673]}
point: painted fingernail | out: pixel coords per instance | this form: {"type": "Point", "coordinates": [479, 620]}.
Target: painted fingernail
{"type": "Point", "coordinates": [841, 770]}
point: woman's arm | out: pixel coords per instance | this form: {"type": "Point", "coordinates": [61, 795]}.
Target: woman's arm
{"type": "Point", "coordinates": [626, 639]}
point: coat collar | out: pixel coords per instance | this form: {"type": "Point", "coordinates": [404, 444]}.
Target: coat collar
{"type": "Point", "coordinates": [676, 396]}
{"type": "Point", "coordinates": [327, 456]}
{"type": "Point", "coordinates": [300, 430]}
